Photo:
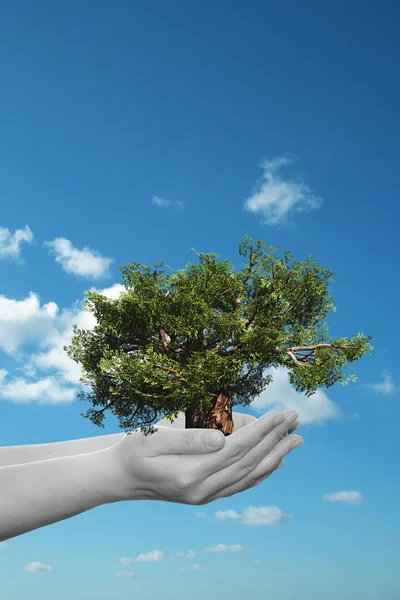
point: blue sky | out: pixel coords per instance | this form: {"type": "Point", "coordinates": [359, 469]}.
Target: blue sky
{"type": "Point", "coordinates": [135, 131]}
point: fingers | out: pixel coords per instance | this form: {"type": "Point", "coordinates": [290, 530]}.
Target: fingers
{"type": "Point", "coordinates": [179, 441]}
{"type": "Point", "coordinates": [234, 461]}
{"type": "Point", "coordinates": [272, 462]}
{"type": "Point", "coordinates": [240, 420]}
{"type": "Point", "coordinates": [295, 426]}
{"type": "Point", "coordinates": [239, 443]}
{"type": "Point", "coordinates": [238, 470]}
{"type": "Point", "coordinates": [286, 445]}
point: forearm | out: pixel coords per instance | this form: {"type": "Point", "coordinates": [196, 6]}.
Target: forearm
{"type": "Point", "coordinates": [37, 494]}
{"type": "Point", "coordinates": [15, 455]}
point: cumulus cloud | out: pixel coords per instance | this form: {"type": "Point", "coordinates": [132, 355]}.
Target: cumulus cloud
{"type": "Point", "coordinates": [386, 387]}
{"type": "Point", "coordinates": [344, 497]}
{"type": "Point", "coordinates": [201, 515]}
{"type": "Point", "coordinates": [36, 567]}
{"type": "Point", "coordinates": [26, 321]}
{"type": "Point", "coordinates": [124, 574]}
{"type": "Point", "coordinates": [164, 202]}
{"type": "Point", "coordinates": [255, 517]}
{"type": "Point", "coordinates": [10, 243]}
{"type": "Point", "coordinates": [275, 198]}
{"type": "Point", "coordinates": [223, 515]}
{"type": "Point", "coordinates": [44, 391]}
{"type": "Point", "coordinates": [281, 395]}
{"type": "Point", "coordinates": [84, 263]}
{"type": "Point", "coordinates": [153, 556]}
{"type": "Point", "coordinates": [225, 548]}
{"type": "Point", "coordinates": [195, 567]}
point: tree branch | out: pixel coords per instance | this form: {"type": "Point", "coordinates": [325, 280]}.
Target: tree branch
{"type": "Point", "coordinates": [291, 351]}
{"type": "Point", "coordinates": [111, 403]}
{"type": "Point", "coordinates": [165, 338]}
{"type": "Point", "coordinates": [246, 278]}
{"type": "Point", "coordinates": [177, 375]}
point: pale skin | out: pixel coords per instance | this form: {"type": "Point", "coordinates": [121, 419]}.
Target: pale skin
{"type": "Point", "coordinates": [47, 483]}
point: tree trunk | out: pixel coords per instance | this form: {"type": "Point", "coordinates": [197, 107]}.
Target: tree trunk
{"type": "Point", "coordinates": [218, 417]}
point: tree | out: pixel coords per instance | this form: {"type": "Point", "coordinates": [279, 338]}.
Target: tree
{"type": "Point", "coordinates": [198, 341]}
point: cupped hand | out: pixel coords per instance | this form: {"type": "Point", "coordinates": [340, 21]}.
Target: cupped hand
{"type": "Point", "coordinates": [198, 466]}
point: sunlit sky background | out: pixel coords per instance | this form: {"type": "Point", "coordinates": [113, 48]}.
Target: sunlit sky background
{"type": "Point", "coordinates": [135, 131]}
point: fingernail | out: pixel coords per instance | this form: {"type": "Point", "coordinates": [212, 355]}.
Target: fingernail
{"type": "Point", "coordinates": [292, 418]}
{"type": "Point", "coordinates": [297, 443]}
{"type": "Point", "coordinates": [279, 420]}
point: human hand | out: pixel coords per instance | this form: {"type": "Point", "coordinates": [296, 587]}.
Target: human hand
{"type": "Point", "coordinates": [239, 421]}
{"type": "Point", "coordinates": [198, 466]}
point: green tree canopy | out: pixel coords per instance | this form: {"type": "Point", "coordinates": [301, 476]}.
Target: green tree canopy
{"type": "Point", "coordinates": [181, 342]}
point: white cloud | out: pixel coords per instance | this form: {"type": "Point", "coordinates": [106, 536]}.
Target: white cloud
{"type": "Point", "coordinates": [84, 263]}
{"type": "Point", "coordinates": [387, 387]}
{"type": "Point", "coordinates": [224, 548]}
{"type": "Point", "coordinates": [3, 546]}
{"type": "Point", "coordinates": [195, 567]}
{"type": "Point", "coordinates": [10, 244]}
{"type": "Point", "coordinates": [281, 395]}
{"type": "Point", "coordinates": [36, 567]}
{"type": "Point", "coordinates": [252, 516]}
{"type": "Point", "coordinates": [44, 391]}
{"type": "Point", "coordinates": [222, 515]}
{"type": "Point", "coordinates": [344, 497]}
{"type": "Point", "coordinates": [25, 321]}
{"type": "Point", "coordinates": [189, 555]}
{"type": "Point", "coordinates": [124, 574]}
{"type": "Point", "coordinates": [275, 197]}
{"type": "Point", "coordinates": [153, 556]}
{"type": "Point", "coordinates": [265, 515]}
{"type": "Point", "coordinates": [163, 202]}
{"type": "Point", "coordinates": [201, 515]}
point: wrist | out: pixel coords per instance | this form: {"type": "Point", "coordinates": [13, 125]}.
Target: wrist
{"type": "Point", "coordinates": [125, 465]}
{"type": "Point", "coordinates": [105, 476]}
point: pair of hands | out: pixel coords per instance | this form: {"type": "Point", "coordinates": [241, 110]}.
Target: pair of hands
{"type": "Point", "coordinates": [198, 466]}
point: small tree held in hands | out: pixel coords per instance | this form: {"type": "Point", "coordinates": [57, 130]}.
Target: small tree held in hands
{"type": "Point", "coordinates": [198, 341]}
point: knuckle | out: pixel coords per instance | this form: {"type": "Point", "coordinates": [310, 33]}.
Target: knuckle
{"type": "Point", "coordinates": [184, 481]}
{"type": "Point", "coordinates": [251, 479]}
{"type": "Point", "coordinates": [237, 451]}
{"type": "Point", "coordinates": [249, 463]}
{"type": "Point", "coordinates": [195, 497]}
{"type": "Point", "coordinates": [280, 435]}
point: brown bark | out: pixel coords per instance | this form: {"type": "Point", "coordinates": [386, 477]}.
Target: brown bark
{"type": "Point", "coordinates": [219, 416]}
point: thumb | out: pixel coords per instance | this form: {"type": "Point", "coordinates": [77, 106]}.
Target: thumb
{"type": "Point", "coordinates": [190, 441]}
